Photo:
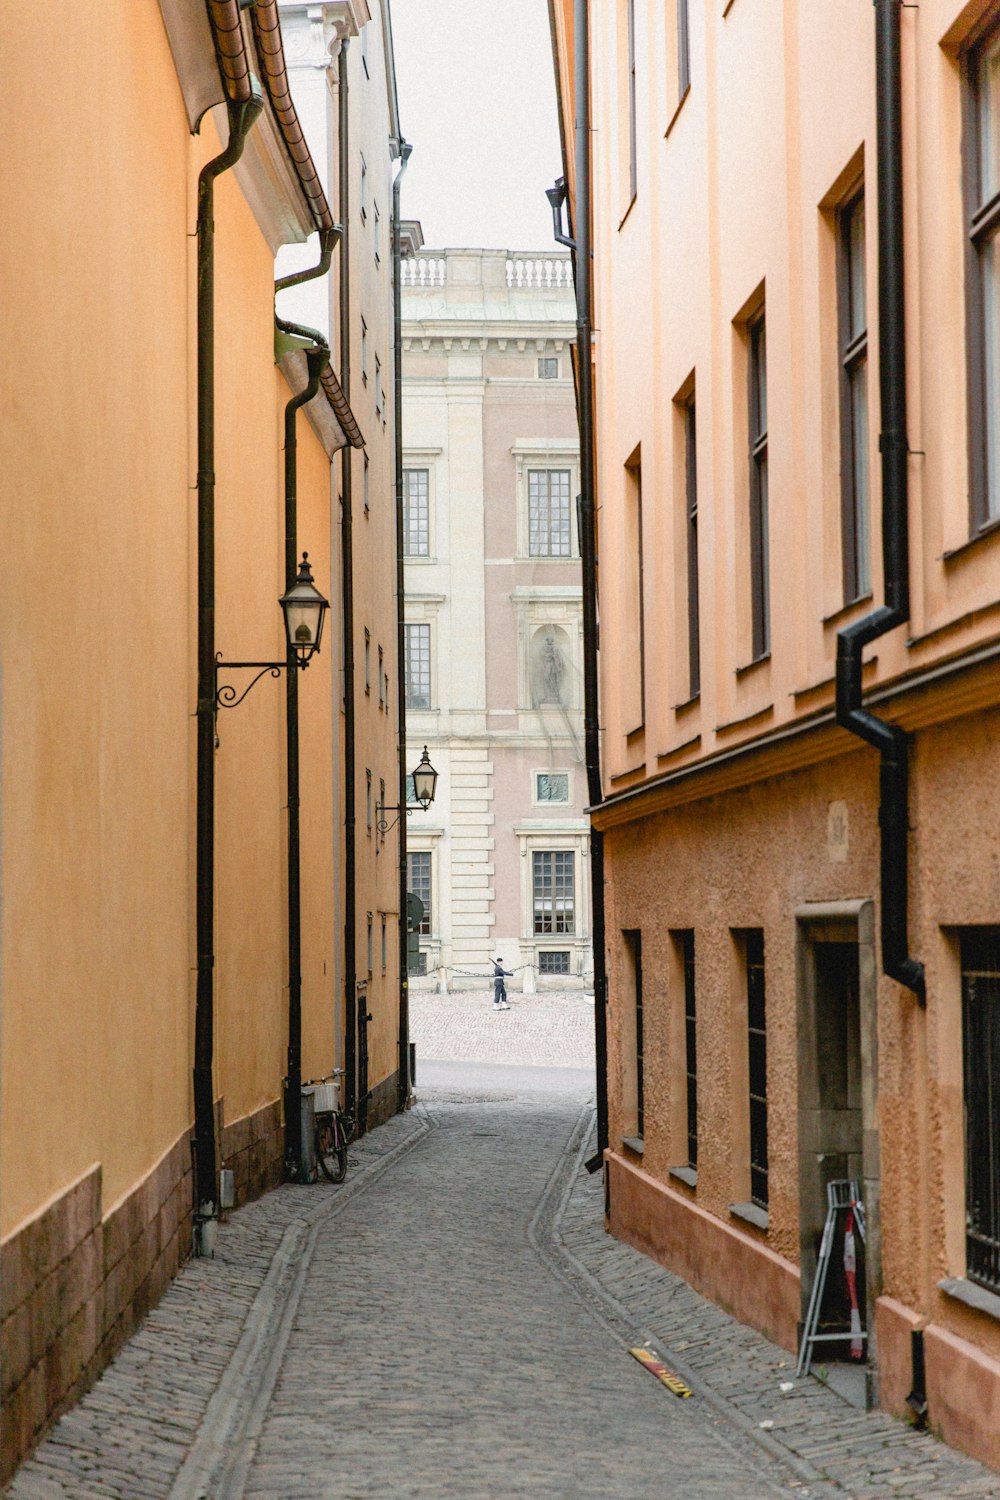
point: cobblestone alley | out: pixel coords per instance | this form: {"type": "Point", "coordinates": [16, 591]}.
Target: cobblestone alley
{"type": "Point", "coordinates": [454, 1322]}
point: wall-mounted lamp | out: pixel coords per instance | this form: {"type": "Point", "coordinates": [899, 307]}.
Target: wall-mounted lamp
{"type": "Point", "coordinates": [424, 779]}
{"type": "Point", "coordinates": [557, 197]}
{"type": "Point", "coordinates": [304, 608]}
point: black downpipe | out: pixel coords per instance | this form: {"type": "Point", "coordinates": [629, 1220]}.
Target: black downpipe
{"type": "Point", "coordinates": [588, 554]}
{"type": "Point", "coordinates": [315, 360]}
{"type": "Point", "coordinates": [241, 121]}
{"type": "Point", "coordinates": [889, 739]}
{"type": "Point", "coordinates": [347, 599]}
{"type": "Point", "coordinates": [405, 150]}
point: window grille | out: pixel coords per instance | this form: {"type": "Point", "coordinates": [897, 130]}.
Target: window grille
{"type": "Point", "coordinates": [552, 786]}
{"type": "Point", "coordinates": [553, 891]}
{"type": "Point", "coordinates": [553, 963]}
{"type": "Point", "coordinates": [418, 666]}
{"type": "Point", "coordinates": [548, 513]}
{"type": "Point", "coordinates": [418, 881]}
{"type": "Point", "coordinates": [416, 513]}
{"type": "Point", "coordinates": [691, 1046]}
{"type": "Point", "coordinates": [757, 1057]}
{"type": "Point", "coordinates": [980, 950]}
{"type": "Point", "coordinates": [633, 941]}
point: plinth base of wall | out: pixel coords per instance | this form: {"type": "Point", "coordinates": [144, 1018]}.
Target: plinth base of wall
{"type": "Point", "coordinates": [76, 1285]}
{"type": "Point", "coordinates": [253, 1149]}
{"type": "Point", "coordinates": [739, 1273]}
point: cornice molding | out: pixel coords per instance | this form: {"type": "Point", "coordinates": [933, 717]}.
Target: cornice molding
{"type": "Point", "coordinates": [312, 30]}
{"type": "Point", "coordinates": [964, 685]}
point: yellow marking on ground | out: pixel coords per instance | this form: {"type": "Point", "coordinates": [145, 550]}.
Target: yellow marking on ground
{"type": "Point", "coordinates": [664, 1376]}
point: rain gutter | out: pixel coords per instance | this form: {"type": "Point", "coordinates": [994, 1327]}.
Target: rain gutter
{"type": "Point", "coordinates": [890, 740]}
{"type": "Point", "coordinates": [405, 150]}
{"type": "Point", "coordinates": [243, 104]}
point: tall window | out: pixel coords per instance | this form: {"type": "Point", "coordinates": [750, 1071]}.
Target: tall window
{"type": "Point", "coordinates": [418, 872]}
{"type": "Point", "coordinates": [633, 178]}
{"type": "Point", "coordinates": [982, 176]}
{"type": "Point", "coordinates": [853, 399]}
{"type": "Point", "coordinates": [364, 351]}
{"type": "Point", "coordinates": [370, 953]}
{"type": "Point", "coordinates": [548, 513]}
{"type": "Point", "coordinates": [691, 498]}
{"type": "Point", "coordinates": [385, 945]}
{"type": "Point", "coordinates": [757, 1057]}
{"type": "Point", "coordinates": [416, 513]}
{"type": "Point", "coordinates": [418, 666]}
{"type": "Point", "coordinates": [378, 386]}
{"type": "Point", "coordinates": [633, 941]}
{"type": "Point", "coordinates": [381, 677]}
{"type": "Point", "coordinates": [553, 891]}
{"type": "Point", "coordinates": [690, 1045]}
{"type": "Point", "coordinates": [759, 545]}
{"type": "Point", "coordinates": [632, 658]}
{"type": "Point", "coordinates": [980, 949]}
{"type": "Point", "coordinates": [368, 800]}
{"type": "Point", "coordinates": [683, 49]}
{"type": "Point", "coordinates": [368, 661]}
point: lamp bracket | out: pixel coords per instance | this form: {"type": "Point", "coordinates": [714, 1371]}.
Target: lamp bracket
{"type": "Point", "coordinates": [226, 695]}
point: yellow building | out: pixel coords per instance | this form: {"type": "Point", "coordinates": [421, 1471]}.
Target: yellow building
{"type": "Point", "coordinates": [795, 228]}
{"type": "Point", "coordinates": [161, 488]}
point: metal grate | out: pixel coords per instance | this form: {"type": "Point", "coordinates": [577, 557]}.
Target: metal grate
{"type": "Point", "coordinates": [633, 940]}
{"type": "Point", "coordinates": [757, 1051]}
{"type": "Point", "coordinates": [981, 1059]}
{"type": "Point", "coordinates": [553, 963]}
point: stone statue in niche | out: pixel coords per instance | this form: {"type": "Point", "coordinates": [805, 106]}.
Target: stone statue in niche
{"type": "Point", "coordinates": [550, 666]}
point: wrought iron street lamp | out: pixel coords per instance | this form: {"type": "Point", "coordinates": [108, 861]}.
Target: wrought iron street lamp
{"type": "Point", "coordinates": [304, 608]}
{"type": "Point", "coordinates": [424, 779]}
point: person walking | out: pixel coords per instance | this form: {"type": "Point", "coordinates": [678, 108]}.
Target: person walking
{"type": "Point", "coordinates": [499, 988]}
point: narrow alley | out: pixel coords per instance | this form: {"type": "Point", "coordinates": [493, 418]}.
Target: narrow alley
{"type": "Point", "coordinates": [453, 1321]}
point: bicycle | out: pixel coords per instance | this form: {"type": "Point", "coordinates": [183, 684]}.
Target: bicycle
{"type": "Point", "coordinates": [334, 1127]}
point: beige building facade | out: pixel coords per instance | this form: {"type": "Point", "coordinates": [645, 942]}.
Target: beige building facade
{"type": "Point", "coordinates": [161, 490]}
{"type": "Point", "coordinates": [797, 463]}
{"type": "Point", "coordinates": [493, 619]}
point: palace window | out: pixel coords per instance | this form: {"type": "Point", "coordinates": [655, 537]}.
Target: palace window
{"type": "Point", "coordinates": [553, 891]}
{"type": "Point", "coordinates": [418, 666]}
{"type": "Point", "coordinates": [418, 881]}
{"type": "Point", "coordinates": [416, 513]}
{"type": "Point", "coordinates": [548, 513]}
{"type": "Point", "coordinates": [548, 368]}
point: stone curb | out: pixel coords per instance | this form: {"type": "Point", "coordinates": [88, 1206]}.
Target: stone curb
{"type": "Point", "coordinates": [219, 1460]}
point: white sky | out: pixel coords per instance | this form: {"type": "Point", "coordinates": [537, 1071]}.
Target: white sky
{"type": "Point", "coordinates": [477, 99]}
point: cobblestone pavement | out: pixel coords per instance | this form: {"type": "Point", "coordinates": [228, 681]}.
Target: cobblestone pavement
{"type": "Point", "coordinates": [545, 1030]}
{"type": "Point", "coordinates": [453, 1321]}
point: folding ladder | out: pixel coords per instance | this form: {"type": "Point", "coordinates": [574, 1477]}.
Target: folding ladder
{"type": "Point", "coordinates": [841, 1195]}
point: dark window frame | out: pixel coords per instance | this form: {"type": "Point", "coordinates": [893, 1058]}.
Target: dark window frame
{"type": "Point", "coordinates": [760, 583]}
{"type": "Point", "coordinates": [756, 993]}
{"type": "Point", "coordinates": [686, 940]}
{"type": "Point", "coordinates": [982, 217]}
{"type": "Point", "coordinates": [633, 941]}
{"type": "Point", "coordinates": [853, 349]}
{"type": "Point", "coordinates": [980, 965]}
{"type": "Point", "coordinates": [691, 530]}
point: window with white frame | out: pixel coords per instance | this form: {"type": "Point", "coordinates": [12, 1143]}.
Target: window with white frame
{"type": "Point", "coordinates": [553, 891]}
{"type": "Point", "coordinates": [418, 882]}
{"type": "Point", "coordinates": [417, 666]}
{"type": "Point", "coordinates": [548, 513]}
{"type": "Point", "coordinates": [548, 368]}
{"type": "Point", "coordinates": [416, 513]}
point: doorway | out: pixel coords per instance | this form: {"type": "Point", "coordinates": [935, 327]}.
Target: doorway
{"type": "Point", "coordinates": [837, 1114]}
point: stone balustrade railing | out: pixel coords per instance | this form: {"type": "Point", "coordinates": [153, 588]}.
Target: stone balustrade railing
{"type": "Point", "coordinates": [517, 270]}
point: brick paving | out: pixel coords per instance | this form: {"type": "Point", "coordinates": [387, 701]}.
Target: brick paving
{"type": "Point", "coordinates": [453, 1321]}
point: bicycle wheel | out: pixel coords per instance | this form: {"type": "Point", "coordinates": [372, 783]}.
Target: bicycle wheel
{"type": "Point", "coordinates": [331, 1151]}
